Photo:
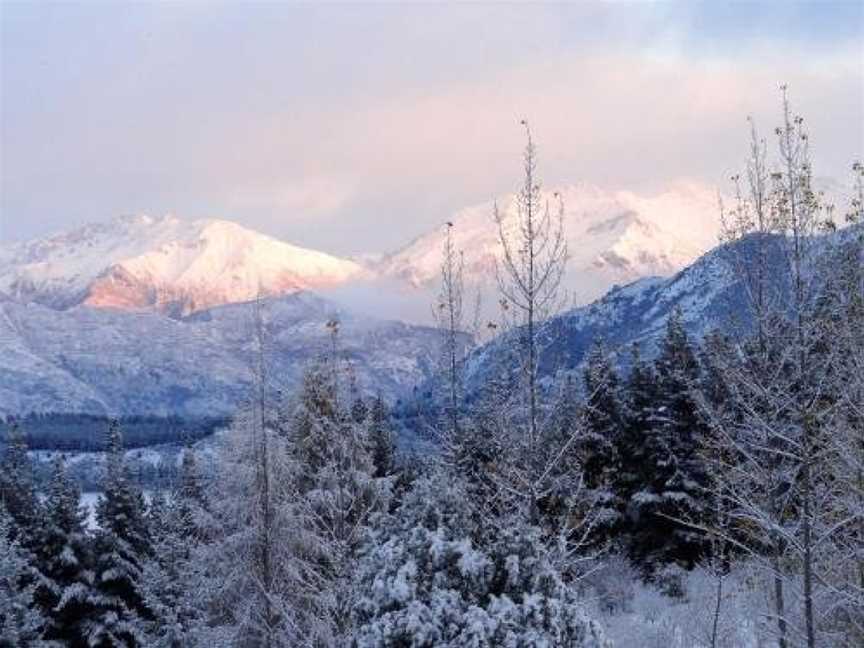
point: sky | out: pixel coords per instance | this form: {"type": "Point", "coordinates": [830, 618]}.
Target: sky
{"type": "Point", "coordinates": [354, 127]}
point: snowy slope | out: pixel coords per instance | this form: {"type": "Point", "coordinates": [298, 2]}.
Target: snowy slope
{"type": "Point", "coordinates": [179, 267]}
{"type": "Point", "coordinates": [94, 360]}
{"type": "Point", "coordinates": [707, 292]}
{"type": "Point", "coordinates": [169, 264]}
{"type": "Point", "coordinates": [613, 238]}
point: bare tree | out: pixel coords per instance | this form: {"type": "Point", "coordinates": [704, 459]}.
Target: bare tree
{"type": "Point", "coordinates": [261, 565]}
{"type": "Point", "coordinates": [774, 452]}
{"type": "Point", "coordinates": [752, 217]}
{"type": "Point", "coordinates": [449, 316]}
{"type": "Point", "coordinates": [529, 274]}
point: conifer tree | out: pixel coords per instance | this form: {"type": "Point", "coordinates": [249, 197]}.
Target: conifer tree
{"type": "Point", "coordinates": [439, 574]}
{"type": "Point", "coordinates": [191, 499]}
{"type": "Point", "coordinates": [335, 480]}
{"type": "Point", "coordinates": [17, 488]}
{"type": "Point", "coordinates": [663, 477]}
{"type": "Point", "coordinates": [191, 530]}
{"type": "Point", "coordinates": [682, 433]}
{"type": "Point", "coordinates": [632, 445]}
{"type": "Point", "coordinates": [597, 445]}
{"type": "Point", "coordinates": [173, 575]}
{"type": "Point", "coordinates": [20, 620]}
{"type": "Point", "coordinates": [122, 546]}
{"type": "Point", "coordinates": [381, 439]}
{"type": "Point", "coordinates": [64, 559]}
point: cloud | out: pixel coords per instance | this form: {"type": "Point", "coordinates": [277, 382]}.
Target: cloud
{"type": "Point", "coordinates": [374, 123]}
{"type": "Point", "coordinates": [620, 121]}
{"type": "Point", "coordinates": [303, 198]}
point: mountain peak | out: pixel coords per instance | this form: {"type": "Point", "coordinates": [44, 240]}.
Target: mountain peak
{"type": "Point", "coordinates": [163, 263]}
{"type": "Point", "coordinates": [613, 237]}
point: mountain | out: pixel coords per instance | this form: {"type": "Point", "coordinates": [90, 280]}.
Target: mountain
{"type": "Point", "coordinates": [93, 360]}
{"type": "Point", "coordinates": [179, 267]}
{"type": "Point", "coordinates": [613, 238]}
{"type": "Point", "coordinates": [165, 264]}
{"type": "Point", "coordinates": [708, 292]}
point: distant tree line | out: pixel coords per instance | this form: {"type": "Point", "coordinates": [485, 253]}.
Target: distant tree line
{"type": "Point", "coordinates": [85, 432]}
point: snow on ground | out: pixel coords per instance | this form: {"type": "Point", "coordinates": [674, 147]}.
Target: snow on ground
{"type": "Point", "coordinates": [635, 614]}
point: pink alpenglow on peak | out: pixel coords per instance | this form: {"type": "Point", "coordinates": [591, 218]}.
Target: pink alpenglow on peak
{"type": "Point", "coordinates": [166, 264]}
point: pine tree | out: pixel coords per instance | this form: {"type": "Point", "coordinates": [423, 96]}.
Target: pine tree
{"type": "Point", "coordinates": [632, 445]}
{"type": "Point", "coordinates": [17, 488]}
{"type": "Point", "coordinates": [20, 620]}
{"type": "Point", "coordinates": [64, 560]}
{"type": "Point", "coordinates": [671, 499]}
{"type": "Point", "coordinates": [598, 443]}
{"type": "Point", "coordinates": [335, 481]}
{"type": "Point", "coordinates": [173, 575]}
{"type": "Point", "coordinates": [265, 563]}
{"type": "Point", "coordinates": [381, 439]}
{"type": "Point", "coordinates": [122, 546]}
{"type": "Point", "coordinates": [182, 530]}
{"type": "Point", "coordinates": [192, 501]}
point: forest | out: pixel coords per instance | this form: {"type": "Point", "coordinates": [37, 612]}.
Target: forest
{"type": "Point", "coordinates": [75, 432]}
{"type": "Point", "coordinates": [709, 495]}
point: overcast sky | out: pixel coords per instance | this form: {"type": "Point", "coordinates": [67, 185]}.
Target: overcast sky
{"type": "Point", "coordinates": [354, 127]}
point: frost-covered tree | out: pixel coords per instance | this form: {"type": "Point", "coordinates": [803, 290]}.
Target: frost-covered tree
{"type": "Point", "coordinates": [439, 575]}
{"type": "Point", "coordinates": [121, 546]}
{"type": "Point", "coordinates": [265, 563]}
{"type": "Point", "coordinates": [448, 314]}
{"type": "Point", "coordinates": [20, 620]}
{"type": "Point", "coordinates": [533, 260]}
{"type": "Point", "coordinates": [63, 557]}
{"type": "Point", "coordinates": [17, 488]}
{"type": "Point", "coordinates": [841, 564]}
{"type": "Point", "coordinates": [381, 439]}
{"type": "Point", "coordinates": [192, 500]}
{"type": "Point", "coordinates": [597, 445]}
{"type": "Point", "coordinates": [263, 566]}
{"type": "Point", "coordinates": [633, 446]}
{"type": "Point", "coordinates": [669, 488]}
{"type": "Point", "coordinates": [183, 529]}
{"type": "Point", "coordinates": [779, 464]}
{"type": "Point", "coordinates": [335, 480]}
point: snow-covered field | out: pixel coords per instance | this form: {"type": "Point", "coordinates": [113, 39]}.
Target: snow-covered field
{"type": "Point", "coordinates": [635, 614]}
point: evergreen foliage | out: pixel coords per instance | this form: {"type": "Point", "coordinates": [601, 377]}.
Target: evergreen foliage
{"type": "Point", "coordinates": [122, 547]}
{"type": "Point", "coordinates": [64, 559]}
{"type": "Point", "coordinates": [20, 620]}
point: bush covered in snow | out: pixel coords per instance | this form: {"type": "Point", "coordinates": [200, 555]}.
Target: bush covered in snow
{"type": "Point", "coordinates": [439, 578]}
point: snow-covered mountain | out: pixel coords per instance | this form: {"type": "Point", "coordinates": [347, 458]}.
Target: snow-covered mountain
{"type": "Point", "coordinates": [110, 361]}
{"type": "Point", "coordinates": [179, 267]}
{"type": "Point", "coordinates": [708, 292]}
{"type": "Point", "coordinates": [150, 315]}
{"type": "Point", "coordinates": [166, 264]}
{"type": "Point", "coordinates": [613, 238]}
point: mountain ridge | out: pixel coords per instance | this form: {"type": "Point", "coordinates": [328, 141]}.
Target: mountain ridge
{"type": "Point", "coordinates": [178, 267]}
{"type": "Point", "coordinates": [165, 264]}
{"type": "Point", "coordinates": [108, 361]}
